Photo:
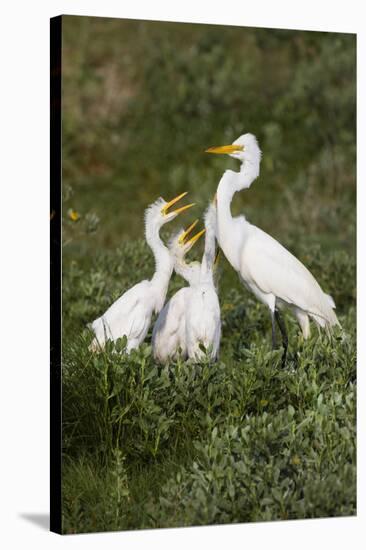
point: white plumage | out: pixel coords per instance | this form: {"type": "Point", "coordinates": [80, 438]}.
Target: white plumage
{"type": "Point", "coordinates": [278, 278]}
{"type": "Point", "coordinates": [131, 314]}
{"type": "Point", "coordinates": [270, 271]}
{"type": "Point", "coordinates": [203, 323]}
{"type": "Point", "coordinates": [190, 321]}
{"type": "Point", "coordinates": [169, 333]}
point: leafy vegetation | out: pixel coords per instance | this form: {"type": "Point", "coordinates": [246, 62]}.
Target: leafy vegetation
{"type": "Point", "coordinates": [243, 439]}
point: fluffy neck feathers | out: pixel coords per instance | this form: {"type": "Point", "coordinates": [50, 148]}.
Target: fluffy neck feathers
{"type": "Point", "coordinates": [189, 272]}
{"type": "Point", "coordinates": [210, 244]}
{"type": "Point", "coordinates": [163, 262]}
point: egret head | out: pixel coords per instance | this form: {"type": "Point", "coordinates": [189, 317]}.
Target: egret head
{"type": "Point", "coordinates": [181, 242]}
{"type": "Point", "coordinates": [245, 149]}
{"type": "Point", "coordinates": [179, 245]}
{"type": "Point", "coordinates": [160, 213]}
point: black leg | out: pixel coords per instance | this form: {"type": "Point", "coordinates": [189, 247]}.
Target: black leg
{"type": "Point", "coordinates": [283, 330]}
{"type": "Point", "coordinates": [274, 339]}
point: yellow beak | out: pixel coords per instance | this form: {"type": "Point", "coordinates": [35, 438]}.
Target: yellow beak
{"type": "Point", "coordinates": [225, 149]}
{"type": "Point", "coordinates": [166, 207]}
{"type": "Point", "coordinates": [216, 260]}
{"type": "Point", "coordinates": [195, 238]}
{"type": "Point", "coordinates": [185, 234]}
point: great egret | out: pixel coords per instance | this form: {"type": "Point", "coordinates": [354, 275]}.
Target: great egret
{"type": "Point", "coordinates": [266, 268]}
{"type": "Point", "coordinates": [131, 314]}
{"type": "Point", "coordinates": [169, 333]}
{"type": "Point", "coordinates": [203, 324]}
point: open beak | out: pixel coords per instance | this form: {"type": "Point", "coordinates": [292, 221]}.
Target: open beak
{"type": "Point", "coordinates": [166, 207]}
{"type": "Point", "coordinates": [185, 234]}
{"type": "Point", "coordinates": [195, 238]}
{"type": "Point", "coordinates": [225, 149]}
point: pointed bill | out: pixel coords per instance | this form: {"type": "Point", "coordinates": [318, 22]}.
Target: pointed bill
{"type": "Point", "coordinates": [172, 202]}
{"type": "Point", "coordinates": [185, 234]}
{"type": "Point", "coordinates": [225, 149]}
{"type": "Point", "coordinates": [182, 208]}
{"type": "Point", "coordinates": [195, 238]}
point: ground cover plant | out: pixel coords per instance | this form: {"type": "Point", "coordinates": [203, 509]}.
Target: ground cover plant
{"type": "Point", "coordinates": [243, 439]}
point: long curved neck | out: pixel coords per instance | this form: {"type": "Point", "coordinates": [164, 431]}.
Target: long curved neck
{"type": "Point", "coordinates": [230, 183]}
{"type": "Point", "coordinates": [163, 262]}
{"type": "Point", "coordinates": [208, 258]}
{"type": "Point", "coordinates": [188, 273]}
{"type": "Point", "coordinates": [181, 269]}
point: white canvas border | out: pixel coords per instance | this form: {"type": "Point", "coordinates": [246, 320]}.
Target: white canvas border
{"type": "Point", "coordinates": [25, 280]}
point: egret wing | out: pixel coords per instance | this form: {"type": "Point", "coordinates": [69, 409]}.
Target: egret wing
{"type": "Point", "coordinates": [129, 314]}
{"type": "Point", "coordinates": [276, 271]}
{"type": "Point", "coordinates": [169, 329]}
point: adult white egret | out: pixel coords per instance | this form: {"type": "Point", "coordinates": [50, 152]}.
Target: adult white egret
{"type": "Point", "coordinates": [203, 323]}
{"type": "Point", "coordinates": [131, 314]}
{"type": "Point", "coordinates": [169, 333]}
{"type": "Point", "coordinates": [266, 268]}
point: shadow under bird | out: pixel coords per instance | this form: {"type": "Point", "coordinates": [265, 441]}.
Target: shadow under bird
{"type": "Point", "coordinates": [130, 315]}
{"type": "Point", "coordinates": [266, 268]}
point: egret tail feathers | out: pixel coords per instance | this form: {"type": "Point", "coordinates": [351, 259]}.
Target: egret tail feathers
{"type": "Point", "coordinates": [330, 300]}
{"type": "Point", "coordinates": [328, 321]}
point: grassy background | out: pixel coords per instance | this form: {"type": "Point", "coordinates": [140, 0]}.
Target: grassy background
{"type": "Point", "coordinates": [242, 440]}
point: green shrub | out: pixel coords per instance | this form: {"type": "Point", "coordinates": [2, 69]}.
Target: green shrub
{"type": "Point", "coordinates": [287, 465]}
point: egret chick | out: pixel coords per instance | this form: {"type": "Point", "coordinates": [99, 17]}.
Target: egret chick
{"type": "Point", "coordinates": [265, 267]}
{"type": "Point", "coordinates": [203, 322]}
{"type": "Point", "coordinates": [131, 314]}
{"type": "Point", "coordinates": [169, 333]}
